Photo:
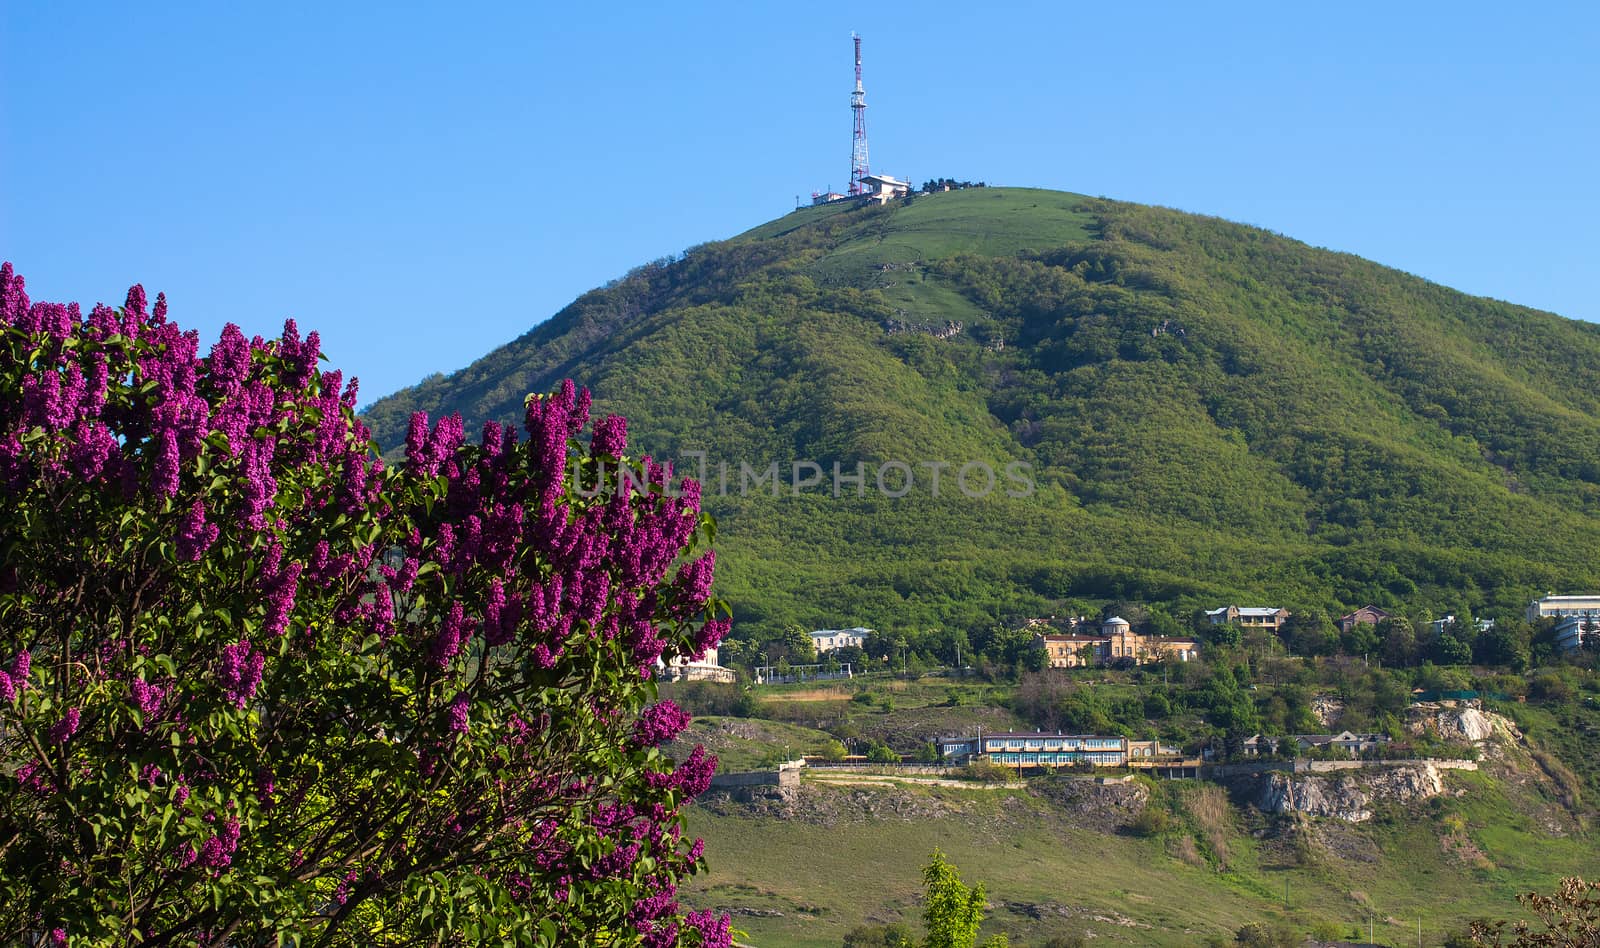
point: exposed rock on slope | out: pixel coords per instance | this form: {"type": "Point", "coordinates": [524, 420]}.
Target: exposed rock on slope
{"type": "Point", "coordinates": [824, 805]}
{"type": "Point", "coordinates": [1461, 722]}
{"type": "Point", "coordinates": [1327, 709]}
{"type": "Point", "coordinates": [1089, 803]}
{"type": "Point", "coordinates": [1348, 796]}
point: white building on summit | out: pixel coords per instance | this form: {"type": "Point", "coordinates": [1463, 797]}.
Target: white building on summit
{"type": "Point", "coordinates": [881, 188]}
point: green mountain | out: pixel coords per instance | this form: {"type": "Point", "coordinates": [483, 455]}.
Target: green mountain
{"type": "Point", "coordinates": [1207, 412]}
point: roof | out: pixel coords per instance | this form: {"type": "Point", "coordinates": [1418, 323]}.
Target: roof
{"type": "Point", "coordinates": [1246, 610]}
{"type": "Point", "coordinates": [884, 179]}
{"type": "Point", "coordinates": [1040, 735]}
{"type": "Point", "coordinates": [829, 633]}
{"type": "Point", "coordinates": [1115, 620]}
{"type": "Point", "coordinates": [1372, 609]}
{"type": "Point", "coordinates": [1320, 738]}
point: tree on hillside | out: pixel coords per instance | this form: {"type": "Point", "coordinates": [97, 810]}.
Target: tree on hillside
{"type": "Point", "coordinates": [1446, 649]}
{"type": "Point", "coordinates": [950, 645]}
{"type": "Point", "coordinates": [1225, 635]}
{"type": "Point", "coordinates": [257, 685]}
{"type": "Point", "coordinates": [1311, 632]}
{"type": "Point", "coordinates": [1501, 645]}
{"type": "Point", "coordinates": [1041, 696]}
{"type": "Point", "coordinates": [1228, 703]}
{"type": "Point", "coordinates": [1465, 628]}
{"type": "Point", "coordinates": [1397, 642]}
{"type": "Point", "coordinates": [1012, 647]}
{"type": "Point", "coordinates": [794, 644]}
{"type": "Point", "coordinates": [1163, 624]}
{"type": "Point", "coordinates": [1360, 639]}
{"type": "Point", "coordinates": [1137, 613]}
{"type": "Point", "coordinates": [951, 911]}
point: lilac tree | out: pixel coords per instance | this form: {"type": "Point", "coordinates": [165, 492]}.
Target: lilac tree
{"type": "Point", "coordinates": [256, 687]}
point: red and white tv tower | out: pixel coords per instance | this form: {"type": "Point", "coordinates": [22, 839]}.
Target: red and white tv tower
{"type": "Point", "coordinates": [858, 140]}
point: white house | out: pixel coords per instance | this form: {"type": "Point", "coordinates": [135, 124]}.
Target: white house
{"type": "Point", "coordinates": [1438, 626]}
{"type": "Point", "coordinates": [881, 188]}
{"type": "Point", "coordinates": [826, 640]}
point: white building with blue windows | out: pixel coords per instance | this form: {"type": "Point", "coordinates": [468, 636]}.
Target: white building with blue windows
{"type": "Point", "coordinates": [1035, 749]}
{"type": "Point", "coordinates": [1564, 607]}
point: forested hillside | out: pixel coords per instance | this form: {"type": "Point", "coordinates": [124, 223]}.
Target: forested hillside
{"type": "Point", "coordinates": [1209, 412]}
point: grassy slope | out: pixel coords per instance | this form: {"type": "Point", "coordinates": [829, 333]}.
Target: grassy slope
{"type": "Point", "coordinates": [825, 880]}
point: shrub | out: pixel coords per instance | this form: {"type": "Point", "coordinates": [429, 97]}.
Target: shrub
{"type": "Point", "coordinates": [986, 771]}
{"type": "Point", "coordinates": [1550, 687]}
{"type": "Point", "coordinates": [1151, 821]}
{"type": "Point", "coordinates": [894, 935]}
{"type": "Point", "coordinates": [259, 685]}
{"type": "Point", "coordinates": [881, 753]}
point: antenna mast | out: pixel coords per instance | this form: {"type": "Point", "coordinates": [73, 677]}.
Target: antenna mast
{"type": "Point", "coordinates": [858, 140]}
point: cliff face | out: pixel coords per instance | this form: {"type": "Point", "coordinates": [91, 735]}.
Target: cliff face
{"type": "Point", "coordinates": [1348, 796]}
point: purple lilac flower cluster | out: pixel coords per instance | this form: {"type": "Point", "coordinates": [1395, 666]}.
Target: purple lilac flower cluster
{"type": "Point", "coordinates": [15, 678]}
{"type": "Point", "coordinates": [240, 672]}
{"type": "Point", "coordinates": [660, 723]}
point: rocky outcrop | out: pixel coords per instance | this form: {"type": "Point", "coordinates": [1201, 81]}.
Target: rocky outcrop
{"type": "Point", "coordinates": [1049, 911]}
{"type": "Point", "coordinates": [1349, 796]}
{"type": "Point", "coordinates": [1086, 802]}
{"type": "Point", "coordinates": [1465, 722]}
{"type": "Point", "coordinates": [825, 805]}
{"type": "Point", "coordinates": [1462, 722]}
{"type": "Point", "coordinates": [1327, 709]}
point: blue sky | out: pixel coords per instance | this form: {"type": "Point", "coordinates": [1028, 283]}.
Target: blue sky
{"type": "Point", "coordinates": [422, 183]}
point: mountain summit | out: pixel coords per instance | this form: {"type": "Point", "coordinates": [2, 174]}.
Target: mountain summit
{"type": "Point", "coordinates": [1173, 409]}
